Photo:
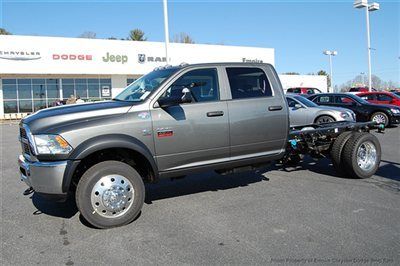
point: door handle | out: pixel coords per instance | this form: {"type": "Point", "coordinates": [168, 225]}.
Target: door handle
{"type": "Point", "coordinates": [275, 108]}
{"type": "Point", "coordinates": [215, 113]}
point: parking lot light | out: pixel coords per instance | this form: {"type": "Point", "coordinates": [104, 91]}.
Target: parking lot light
{"type": "Point", "coordinates": [330, 54]}
{"type": "Point", "coordinates": [368, 8]}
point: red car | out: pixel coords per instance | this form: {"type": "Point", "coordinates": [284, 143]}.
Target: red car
{"type": "Point", "coordinates": [303, 90]}
{"type": "Point", "coordinates": [380, 97]}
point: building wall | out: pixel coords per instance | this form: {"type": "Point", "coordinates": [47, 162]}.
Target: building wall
{"type": "Point", "coordinates": [54, 55]}
{"type": "Point", "coordinates": [313, 81]}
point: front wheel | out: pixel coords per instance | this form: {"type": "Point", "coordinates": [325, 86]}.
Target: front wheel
{"type": "Point", "coordinates": [361, 155]}
{"type": "Point", "coordinates": [380, 118]}
{"type": "Point", "coordinates": [110, 194]}
{"type": "Point", "coordinates": [324, 119]}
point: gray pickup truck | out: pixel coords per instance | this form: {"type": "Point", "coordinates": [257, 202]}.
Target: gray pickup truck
{"type": "Point", "coordinates": [227, 117]}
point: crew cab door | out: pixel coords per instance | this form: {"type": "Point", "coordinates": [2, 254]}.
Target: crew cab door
{"type": "Point", "coordinates": [258, 115]}
{"type": "Point", "coordinates": [191, 134]}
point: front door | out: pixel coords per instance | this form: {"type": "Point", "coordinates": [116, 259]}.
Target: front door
{"type": "Point", "coordinates": [196, 133]}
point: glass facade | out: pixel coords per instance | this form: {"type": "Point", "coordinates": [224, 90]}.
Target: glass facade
{"type": "Point", "coordinates": [30, 95]}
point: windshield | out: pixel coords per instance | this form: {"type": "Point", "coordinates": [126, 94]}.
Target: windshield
{"type": "Point", "coordinates": [305, 101]}
{"type": "Point", "coordinates": [140, 89]}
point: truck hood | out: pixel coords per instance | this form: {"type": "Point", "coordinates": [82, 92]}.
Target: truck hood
{"type": "Point", "coordinates": [45, 120]}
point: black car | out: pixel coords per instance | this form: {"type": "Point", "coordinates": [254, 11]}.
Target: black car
{"type": "Point", "coordinates": [365, 111]}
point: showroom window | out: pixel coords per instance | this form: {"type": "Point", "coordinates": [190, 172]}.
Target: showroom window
{"type": "Point", "coordinates": [92, 89]}
{"type": "Point", "coordinates": [30, 95]}
{"type": "Point", "coordinates": [129, 81]}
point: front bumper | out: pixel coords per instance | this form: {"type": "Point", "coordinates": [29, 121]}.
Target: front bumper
{"type": "Point", "coordinates": [43, 177]}
{"type": "Point", "coordinates": [395, 119]}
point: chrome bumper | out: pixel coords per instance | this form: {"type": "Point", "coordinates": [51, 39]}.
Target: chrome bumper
{"type": "Point", "coordinates": [43, 177]}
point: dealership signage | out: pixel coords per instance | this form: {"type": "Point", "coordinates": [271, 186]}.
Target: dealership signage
{"type": "Point", "coordinates": [158, 59]}
{"type": "Point", "coordinates": [72, 57]}
{"type": "Point", "coordinates": [19, 55]}
{"type": "Point", "coordinates": [115, 58]}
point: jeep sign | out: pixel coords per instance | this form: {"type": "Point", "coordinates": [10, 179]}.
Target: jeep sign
{"type": "Point", "coordinates": [115, 58]}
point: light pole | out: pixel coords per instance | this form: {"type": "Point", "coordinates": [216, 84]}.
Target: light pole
{"type": "Point", "coordinates": [166, 30]}
{"type": "Point", "coordinates": [330, 54]}
{"type": "Point", "coordinates": [362, 78]}
{"type": "Point", "coordinates": [368, 7]}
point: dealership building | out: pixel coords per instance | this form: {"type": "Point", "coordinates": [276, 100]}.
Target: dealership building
{"type": "Point", "coordinates": [36, 72]}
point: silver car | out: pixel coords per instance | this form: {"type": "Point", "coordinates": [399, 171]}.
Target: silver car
{"type": "Point", "coordinates": [304, 112]}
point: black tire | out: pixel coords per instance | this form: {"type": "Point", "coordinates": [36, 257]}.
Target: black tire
{"type": "Point", "coordinates": [379, 116]}
{"type": "Point", "coordinates": [351, 150]}
{"type": "Point", "coordinates": [324, 119]}
{"type": "Point", "coordinates": [337, 150]}
{"type": "Point", "coordinates": [91, 178]}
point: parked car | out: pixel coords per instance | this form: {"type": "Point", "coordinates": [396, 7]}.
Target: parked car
{"type": "Point", "coordinates": [172, 122]}
{"type": "Point", "coordinates": [304, 112]}
{"type": "Point", "coordinates": [380, 97]}
{"type": "Point", "coordinates": [303, 90]}
{"type": "Point", "coordinates": [356, 90]}
{"type": "Point", "coordinates": [365, 111]}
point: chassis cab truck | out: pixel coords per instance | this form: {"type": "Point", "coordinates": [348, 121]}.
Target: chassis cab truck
{"type": "Point", "coordinates": [172, 122]}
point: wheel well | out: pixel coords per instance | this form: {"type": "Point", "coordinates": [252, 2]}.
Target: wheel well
{"type": "Point", "coordinates": [128, 156]}
{"type": "Point", "coordinates": [315, 120]}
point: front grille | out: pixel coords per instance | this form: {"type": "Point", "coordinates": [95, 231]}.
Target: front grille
{"type": "Point", "coordinates": [22, 133]}
{"type": "Point", "coordinates": [26, 148]}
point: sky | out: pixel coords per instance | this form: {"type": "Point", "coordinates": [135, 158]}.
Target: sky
{"type": "Point", "coordinates": [299, 31]}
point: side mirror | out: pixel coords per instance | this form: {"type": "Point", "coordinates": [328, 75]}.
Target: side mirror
{"type": "Point", "coordinates": [298, 106]}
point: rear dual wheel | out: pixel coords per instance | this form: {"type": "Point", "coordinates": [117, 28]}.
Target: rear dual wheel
{"type": "Point", "coordinates": [356, 155]}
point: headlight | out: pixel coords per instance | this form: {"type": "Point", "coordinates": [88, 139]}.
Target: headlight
{"type": "Point", "coordinates": [51, 144]}
{"type": "Point", "coordinates": [344, 115]}
{"type": "Point", "coordinates": [395, 111]}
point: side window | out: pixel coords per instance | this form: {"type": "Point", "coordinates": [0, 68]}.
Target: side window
{"type": "Point", "coordinates": [202, 83]}
{"type": "Point", "coordinates": [291, 102]}
{"type": "Point", "coordinates": [384, 97]}
{"type": "Point", "coordinates": [247, 82]}
{"type": "Point", "coordinates": [324, 99]}
{"type": "Point", "coordinates": [344, 100]}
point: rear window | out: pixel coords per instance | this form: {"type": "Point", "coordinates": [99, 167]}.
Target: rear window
{"type": "Point", "coordinates": [247, 82]}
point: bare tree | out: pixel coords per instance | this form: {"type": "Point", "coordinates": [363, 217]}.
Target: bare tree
{"type": "Point", "coordinates": [4, 32]}
{"type": "Point", "coordinates": [183, 38]}
{"type": "Point", "coordinates": [88, 35]}
{"type": "Point", "coordinates": [137, 35]}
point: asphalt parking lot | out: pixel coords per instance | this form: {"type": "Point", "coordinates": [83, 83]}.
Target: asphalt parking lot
{"type": "Point", "coordinates": [305, 215]}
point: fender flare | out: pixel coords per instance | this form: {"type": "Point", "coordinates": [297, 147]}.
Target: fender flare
{"type": "Point", "coordinates": [105, 142]}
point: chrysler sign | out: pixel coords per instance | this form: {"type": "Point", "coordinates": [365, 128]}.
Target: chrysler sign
{"type": "Point", "coordinates": [19, 55]}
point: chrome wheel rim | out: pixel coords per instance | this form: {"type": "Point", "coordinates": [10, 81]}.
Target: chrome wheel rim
{"type": "Point", "coordinates": [112, 196]}
{"type": "Point", "coordinates": [326, 119]}
{"type": "Point", "coordinates": [380, 119]}
{"type": "Point", "coordinates": [366, 156]}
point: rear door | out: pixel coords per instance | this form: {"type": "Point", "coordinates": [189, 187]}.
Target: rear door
{"type": "Point", "coordinates": [258, 116]}
{"type": "Point", "coordinates": [192, 134]}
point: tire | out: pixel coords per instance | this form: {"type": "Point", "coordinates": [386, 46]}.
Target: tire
{"type": "Point", "coordinates": [110, 194]}
{"type": "Point", "coordinates": [337, 150]}
{"type": "Point", "coordinates": [381, 118]}
{"type": "Point", "coordinates": [324, 119]}
{"type": "Point", "coordinates": [361, 155]}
